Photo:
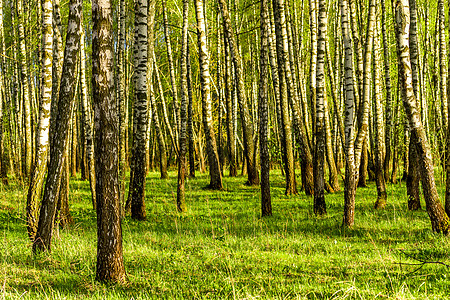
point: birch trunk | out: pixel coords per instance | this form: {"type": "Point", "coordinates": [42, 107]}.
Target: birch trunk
{"type": "Point", "coordinates": [285, 124]}
{"type": "Point", "coordinates": [247, 126]}
{"type": "Point", "coordinates": [438, 217]}
{"type": "Point", "coordinates": [181, 201]}
{"type": "Point", "coordinates": [379, 153]}
{"type": "Point", "coordinates": [205, 78]}
{"type": "Point", "coordinates": [40, 162]}
{"type": "Point", "coordinates": [320, 130]}
{"type": "Point", "coordinates": [171, 72]}
{"type": "Point", "coordinates": [42, 241]}
{"type": "Point", "coordinates": [137, 186]}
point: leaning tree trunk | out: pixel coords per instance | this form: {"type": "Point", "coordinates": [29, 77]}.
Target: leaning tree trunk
{"type": "Point", "coordinates": [247, 126]}
{"type": "Point", "coordinates": [110, 265]}
{"type": "Point", "coordinates": [439, 219]}
{"type": "Point", "coordinates": [137, 186]}
{"type": "Point", "coordinates": [320, 130]}
{"type": "Point", "coordinates": [40, 162]}
{"type": "Point", "coordinates": [205, 78]}
{"type": "Point", "coordinates": [263, 110]}
{"type": "Point", "coordinates": [42, 241]}
{"type": "Point", "coordinates": [181, 201]}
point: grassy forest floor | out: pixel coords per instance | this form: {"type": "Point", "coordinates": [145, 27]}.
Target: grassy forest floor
{"type": "Point", "coordinates": [221, 248]}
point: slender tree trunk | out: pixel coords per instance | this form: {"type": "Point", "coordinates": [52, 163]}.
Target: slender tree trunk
{"type": "Point", "coordinates": [231, 137]}
{"type": "Point", "coordinates": [285, 124]}
{"type": "Point", "coordinates": [320, 130]}
{"type": "Point", "coordinates": [213, 157]}
{"type": "Point", "coordinates": [181, 201]}
{"type": "Point", "coordinates": [40, 162]}
{"type": "Point", "coordinates": [3, 93]}
{"type": "Point", "coordinates": [190, 126]}
{"type": "Point", "coordinates": [122, 106]}
{"type": "Point", "coordinates": [313, 61]}
{"type": "Point", "coordinates": [387, 79]}
{"type": "Point", "coordinates": [413, 175]}
{"type": "Point", "coordinates": [110, 265]}
{"type": "Point", "coordinates": [88, 130]}
{"type": "Point", "coordinates": [137, 186]}
{"type": "Point", "coordinates": [263, 110]}
{"type": "Point", "coordinates": [42, 241]}
{"type": "Point", "coordinates": [442, 63]}
{"type": "Point", "coordinates": [27, 151]}
{"type": "Point", "coordinates": [171, 72]}
{"type": "Point", "coordinates": [247, 126]}
{"type": "Point", "coordinates": [378, 152]}
{"type": "Point", "coordinates": [305, 152]}
{"type": "Point", "coordinates": [354, 139]}
{"type": "Point", "coordinates": [438, 217]}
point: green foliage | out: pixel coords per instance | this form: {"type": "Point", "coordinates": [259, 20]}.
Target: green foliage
{"type": "Point", "coordinates": [221, 248]}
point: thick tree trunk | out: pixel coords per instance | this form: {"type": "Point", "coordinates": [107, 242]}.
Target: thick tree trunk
{"type": "Point", "coordinates": [110, 265]}
{"type": "Point", "coordinates": [42, 241]}
{"type": "Point", "coordinates": [211, 147]}
{"type": "Point", "coordinates": [439, 219]}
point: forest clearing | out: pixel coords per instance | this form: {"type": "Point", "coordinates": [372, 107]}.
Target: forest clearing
{"type": "Point", "coordinates": [222, 249]}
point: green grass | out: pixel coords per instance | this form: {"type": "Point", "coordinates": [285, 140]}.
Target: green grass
{"type": "Point", "coordinates": [221, 248]}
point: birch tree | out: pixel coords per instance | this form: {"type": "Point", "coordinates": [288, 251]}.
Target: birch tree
{"type": "Point", "coordinates": [42, 241]}
{"type": "Point", "coordinates": [137, 185]}
{"type": "Point", "coordinates": [40, 162]}
{"type": "Point", "coordinates": [181, 202]}
{"type": "Point", "coordinates": [438, 217]}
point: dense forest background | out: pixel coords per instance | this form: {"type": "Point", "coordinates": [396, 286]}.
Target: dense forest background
{"type": "Point", "coordinates": [329, 95]}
